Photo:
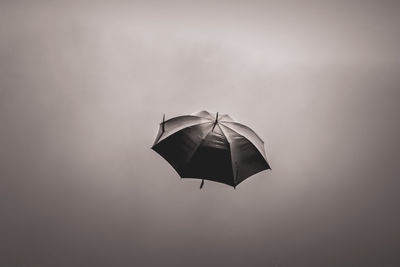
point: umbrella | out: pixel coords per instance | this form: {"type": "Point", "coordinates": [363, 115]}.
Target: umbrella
{"type": "Point", "coordinates": [211, 146]}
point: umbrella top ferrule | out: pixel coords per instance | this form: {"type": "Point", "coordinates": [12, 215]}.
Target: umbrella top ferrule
{"type": "Point", "coordinates": [215, 122]}
{"type": "Point", "coordinates": [163, 123]}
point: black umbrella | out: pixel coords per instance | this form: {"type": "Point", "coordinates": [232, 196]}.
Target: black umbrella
{"type": "Point", "coordinates": [212, 147]}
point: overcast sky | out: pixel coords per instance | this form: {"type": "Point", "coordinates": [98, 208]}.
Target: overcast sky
{"type": "Point", "coordinates": [83, 87]}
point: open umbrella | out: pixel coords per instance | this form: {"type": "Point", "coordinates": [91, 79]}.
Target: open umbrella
{"type": "Point", "coordinates": [212, 147]}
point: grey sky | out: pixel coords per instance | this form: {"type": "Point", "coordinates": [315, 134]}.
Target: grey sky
{"type": "Point", "coordinates": [83, 87]}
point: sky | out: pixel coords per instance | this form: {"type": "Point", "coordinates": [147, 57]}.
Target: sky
{"type": "Point", "coordinates": [84, 85]}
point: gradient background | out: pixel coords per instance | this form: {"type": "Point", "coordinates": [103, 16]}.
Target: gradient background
{"type": "Point", "coordinates": [84, 85]}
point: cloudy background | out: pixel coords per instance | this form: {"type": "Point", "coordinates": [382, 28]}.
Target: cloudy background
{"type": "Point", "coordinates": [84, 85]}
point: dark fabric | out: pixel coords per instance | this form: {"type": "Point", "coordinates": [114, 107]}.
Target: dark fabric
{"type": "Point", "coordinates": [211, 161]}
{"type": "Point", "coordinates": [246, 159]}
{"type": "Point", "coordinates": [178, 148]}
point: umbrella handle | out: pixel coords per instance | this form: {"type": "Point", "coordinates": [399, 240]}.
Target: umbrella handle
{"type": "Point", "coordinates": [202, 183]}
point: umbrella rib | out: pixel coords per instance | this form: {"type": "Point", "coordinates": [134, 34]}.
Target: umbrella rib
{"type": "Point", "coordinates": [204, 111]}
{"type": "Point", "coordinates": [230, 150]}
{"type": "Point", "coordinates": [261, 152]}
{"type": "Point", "coordinates": [164, 136]}
{"type": "Point", "coordinates": [202, 117]}
{"type": "Point", "coordinates": [178, 117]}
{"type": "Point", "coordinates": [197, 148]}
{"type": "Point", "coordinates": [244, 126]}
{"type": "Point", "coordinates": [248, 141]}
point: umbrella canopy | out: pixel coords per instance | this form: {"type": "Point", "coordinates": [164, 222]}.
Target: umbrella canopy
{"type": "Point", "coordinates": [212, 147]}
